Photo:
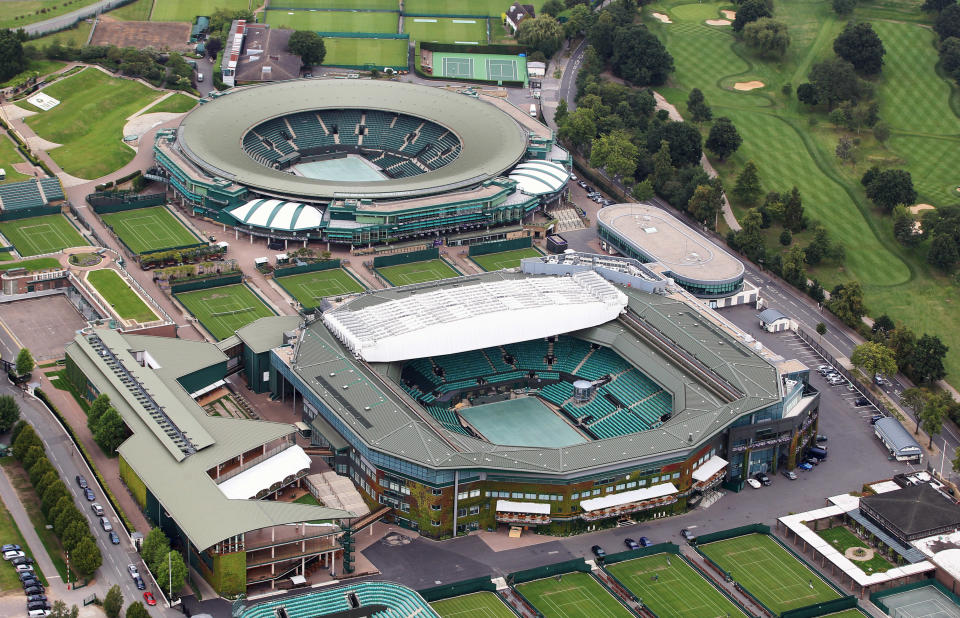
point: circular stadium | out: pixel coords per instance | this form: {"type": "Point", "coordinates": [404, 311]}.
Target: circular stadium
{"type": "Point", "coordinates": [315, 140]}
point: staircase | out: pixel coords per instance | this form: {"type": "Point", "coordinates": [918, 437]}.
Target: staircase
{"type": "Point", "coordinates": [337, 492]}
{"type": "Point", "coordinates": [585, 358]}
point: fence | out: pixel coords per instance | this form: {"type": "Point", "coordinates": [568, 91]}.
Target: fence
{"type": "Point", "coordinates": [406, 258]}
{"type": "Point", "coordinates": [723, 535]}
{"type": "Point", "coordinates": [499, 246]}
{"type": "Point", "coordinates": [549, 570]}
{"type": "Point", "coordinates": [503, 50]}
{"type": "Point", "coordinates": [877, 597]}
{"type": "Point", "coordinates": [212, 282]}
{"type": "Point", "coordinates": [822, 609]}
{"type": "Point", "coordinates": [306, 268]}
{"type": "Point", "coordinates": [105, 202]}
{"type": "Point", "coordinates": [32, 211]}
{"type": "Point", "coordinates": [468, 586]}
{"type": "Point", "coordinates": [363, 35]}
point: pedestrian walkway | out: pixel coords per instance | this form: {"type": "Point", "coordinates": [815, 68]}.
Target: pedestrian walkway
{"type": "Point", "coordinates": [39, 553]}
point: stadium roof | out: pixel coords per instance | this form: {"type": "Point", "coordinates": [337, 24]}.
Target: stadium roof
{"type": "Point", "coordinates": [278, 215]}
{"type": "Point", "coordinates": [540, 177]}
{"type": "Point", "coordinates": [183, 487]}
{"type": "Point", "coordinates": [368, 404]}
{"type": "Point", "coordinates": [658, 235]}
{"type": "Point", "coordinates": [450, 320]}
{"type": "Point", "coordinates": [212, 134]}
{"type": "Point", "coordinates": [266, 333]}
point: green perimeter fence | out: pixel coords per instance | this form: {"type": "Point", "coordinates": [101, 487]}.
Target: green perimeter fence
{"type": "Point", "coordinates": [877, 597]}
{"type": "Point", "coordinates": [467, 586]}
{"type": "Point", "coordinates": [26, 213]}
{"type": "Point", "coordinates": [499, 246]}
{"type": "Point", "coordinates": [212, 282]}
{"type": "Point", "coordinates": [107, 202]}
{"type": "Point", "coordinates": [331, 10]}
{"type": "Point", "coordinates": [423, 255]}
{"type": "Point", "coordinates": [363, 35]}
{"type": "Point", "coordinates": [549, 570]}
{"type": "Point", "coordinates": [822, 609]}
{"type": "Point", "coordinates": [723, 535]}
{"type": "Point", "coordinates": [306, 268]}
{"type": "Point", "coordinates": [405, 14]}
{"type": "Point", "coordinates": [503, 50]}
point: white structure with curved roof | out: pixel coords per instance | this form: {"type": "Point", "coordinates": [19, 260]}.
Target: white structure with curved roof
{"type": "Point", "coordinates": [278, 215]}
{"type": "Point", "coordinates": [540, 177]}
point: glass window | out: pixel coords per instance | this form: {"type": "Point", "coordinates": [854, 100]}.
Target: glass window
{"type": "Point", "coordinates": [435, 507]}
{"type": "Point", "coordinates": [655, 479]}
{"type": "Point", "coordinates": [517, 495]}
{"type": "Point", "coordinates": [631, 484]}
{"type": "Point", "coordinates": [596, 492]}
{"type": "Point", "coordinates": [462, 495]}
{"type": "Point", "coordinates": [475, 493]}
{"type": "Point", "coordinates": [575, 496]}
{"type": "Point", "coordinates": [438, 492]}
{"type": "Point", "coordinates": [530, 496]}
{"type": "Point", "coordinates": [543, 497]}
{"type": "Point", "coordinates": [434, 523]}
{"type": "Point", "coordinates": [474, 510]}
{"type": "Point", "coordinates": [620, 486]}
{"type": "Point", "coordinates": [676, 475]}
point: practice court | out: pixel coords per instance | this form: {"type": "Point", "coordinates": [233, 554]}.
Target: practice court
{"type": "Point", "coordinates": [486, 67]}
{"type": "Point", "coordinates": [526, 421]}
{"type": "Point", "coordinates": [925, 602]}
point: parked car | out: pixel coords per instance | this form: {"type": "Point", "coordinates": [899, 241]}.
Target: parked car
{"type": "Point", "coordinates": [752, 482]}
{"type": "Point", "coordinates": [97, 509]}
{"type": "Point", "coordinates": [762, 477]}
{"type": "Point", "coordinates": [32, 605]}
{"type": "Point", "coordinates": [82, 482]}
{"type": "Point", "coordinates": [24, 568]}
{"type": "Point", "coordinates": [598, 552]}
{"type": "Point", "coordinates": [821, 438]}
{"type": "Point", "coordinates": [861, 401]}
{"type": "Point", "coordinates": [35, 589]}
{"type": "Point", "coordinates": [105, 524]}
{"type": "Point", "coordinates": [790, 474]}
{"type": "Point", "coordinates": [822, 369]}
{"type": "Point", "coordinates": [688, 535]}
{"type": "Point", "coordinates": [645, 542]}
{"type": "Point", "coordinates": [875, 418]}
{"type": "Point", "coordinates": [88, 493]}
{"type": "Point", "coordinates": [114, 538]}
{"type": "Point", "coordinates": [13, 553]}
{"type": "Point", "coordinates": [148, 598]}
{"type": "Point", "coordinates": [133, 570]}
{"type": "Point", "coordinates": [26, 575]}
{"type": "Point", "coordinates": [38, 613]}
{"type": "Point", "coordinates": [139, 582]}
{"type": "Point", "coordinates": [811, 461]}
{"type": "Point", "coordinates": [631, 544]}
{"type": "Point", "coordinates": [36, 597]}
{"type": "Point", "coordinates": [22, 560]}
{"type": "Point", "coordinates": [10, 547]}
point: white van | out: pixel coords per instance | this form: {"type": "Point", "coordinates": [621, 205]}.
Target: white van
{"type": "Point", "coordinates": [533, 110]}
{"type": "Point", "coordinates": [199, 77]}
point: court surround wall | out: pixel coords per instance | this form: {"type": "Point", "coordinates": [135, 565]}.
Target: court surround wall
{"type": "Point", "coordinates": [26, 213]}
{"type": "Point", "coordinates": [467, 586]}
{"type": "Point", "coordinates": [423, 255]}
{"type": "Point", "coordinates": [822, 609]}
{"type": "Point", "coordinates": [107, 202]}
{"type": "Point", "coordinates": [212, 282]}
{"type": "Point", "coordinates": [549, 570]}
{"type": "Point", "coordinates": [306, 268]}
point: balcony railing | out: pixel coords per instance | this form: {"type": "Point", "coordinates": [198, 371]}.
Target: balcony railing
{"type": "Point", "coordinates": [523, 518]}
{"type": "Point", "coordinates": [633, 507]}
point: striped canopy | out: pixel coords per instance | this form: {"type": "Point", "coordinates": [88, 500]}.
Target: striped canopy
{"type": "Point", "coordinates": [278, 215]}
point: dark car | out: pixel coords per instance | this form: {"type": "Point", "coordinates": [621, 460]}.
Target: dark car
{"type": "Point", "coordinates": [631, 544]}
{"type": "Point", "coordinates": [875, 418]}
{"type": "Point", "coordinates": [9, 547]}
{"type": "Point", "coordinates": [645, 542]}
{"type": "Point", "coordinates": [139, 582]}
{"type": "Point", "coordinates": [32, 605]}
{"type": "Point", "coordinates": [811, 461]}
{"type": "Point", "coordinates": [861, 401]}
{"type": "Point", "coordinates": [26, 575]}
{"type": "Point", "coordinates": [30, 582]}
{"type": "Point", "coordinates": [114, 538]}
{"type": "Point", "coordinates": [36, 597]}
{"type": "Point", "coordinates": [821, 438]}
{"type": "Point", "coordinates": [21, 560]}
{"type": "Point", "coordinates": [82, 482]}
{"type": "Point", "coordinates": [598, 552]}
{"type": "Point", "coordinates": [88, 493]}
{"type": "Point", "coordinates": [688, 535]}
{"type": "Point", "coordinates": [790, 474]}
{"type": "Point", "coordinates": [762, 477]}
{"type": "Point", "coordinates": [32, 590]}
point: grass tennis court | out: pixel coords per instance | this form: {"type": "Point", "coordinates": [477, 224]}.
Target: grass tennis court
{"type": "Point", "coordinates": [574, 596]}
{"type": "Point", "coordinates": [309, 288]}
{"type": "Point", "coordinates": [124, 300]}
{"type": "Point", "coordinates": [769, 572]}
{"type": "Point", "coordinates": [335, 21]}
{"type": "Point", "coordinates": [479, 604]}
{"type": "Point", "coordinates": [446, 29]}
{"type": "Point", "coordinates": [672, 588]}
{"type": "Point", "coordinates": [32, 265]}
{"type": "Point", "coordinates": [37, 235]}
{"type": "Point", "coordinates": [360, 52]}
{"type": "Point", "coordinates": [504, 259]}
{"type": "Point", "coordinates": [387, 5]}
{"type": "Point", "coordinates": [224, 309]}
{"type": "Point", "coordinates": [417, 272]}
{"type": "Point", "coordinates": [149, 229]}
{"type": "Point", "coordinates": [187, 10]}
{"type": "Point", "coordinates": [490, 8]}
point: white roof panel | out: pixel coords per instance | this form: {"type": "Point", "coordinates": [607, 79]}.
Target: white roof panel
{"type": "Point", "coordinates": [540, 177]}
{"type": "Point", "coordinates": [627, 497]}
{"type": "Point", "coordinates": [709, 468]}
{"type": "Point", "coordinates": [506, 506]}
{"type": "Point", "coordinates": [262, 476]}
{"type": "Point", "coordinates": [278, 215]}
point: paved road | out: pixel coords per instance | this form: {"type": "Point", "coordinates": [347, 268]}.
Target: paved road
{"type": "Point", "coordinates": [55, 24]}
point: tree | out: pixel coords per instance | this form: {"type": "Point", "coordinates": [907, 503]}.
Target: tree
{"type": "Point", "coordinates": [110, 431]}
{"type": "Point", "coordinates": [832, 81]}
{"type": "Point", "coordinates": [65, 518]}
{"type": "Point", "coordinates": [171, 573]}
{"type": "Point", "coordinates": [861, 46]}
{"type": "Point", "coordinates": [748, 189]}
{"type": "Point", "coordinates": [750, 11]}
{"type": "Point", "coordinates": [844, 7]}
{"type": "Point", "coordinates": [845, 150]}
{"type": "Point", "coordinates": [137, 610]}
{"type": "Point", "coordinates": [552, 8]}
{"type": "Point", "coordinates": [580, 20]}
{"type": "Point", "coordinates": [615, 153]}
{"type": "Point", "coordinates": [31, 457]}
{"type": "Point", "coordinates": [9, 413]}
{"type": "Point", "coordinates": [947, 23]}
{"type": "Point", "coordinates": [97, 408]}
{"type": "Point", "coordinates": [821, 330]}
{"type": "Point", "coordinates": [25, 439]}
{"type": "Point", "coordinates": [794, 271]}
{"type": "Point", "coordinates": [874, 358]}
{"type": "Point", "coordinates": [950, 56]}
{"type": "Point", "coordinates": [926, 361]}
{"type": "Point", "coordinates": [12, 59]}
{"type": "Point", "coordinates": [943, 252]}
{"type": "Point", "coordinates": [705, 203]}
{"type": "Point", "coordinates": [663, 170]}
{"type": "Point", "coordinates": [60, 610]}
{"type": "Point", "coordinates": [639, 57]}
{"type": "Point", "coordinates": [75, 532]}
{"type": "Point", "coordinates": [697, 106]}
{"type": "Point", "coordinates": [723, 140]}
{"type": "Point", "coordinates": [541, 33]}
{"type": "Point", "coordinates": [882, 326]}
{"type": "Point", "coordinates": [85, 559]}
{"type": "Point", "coordinates": [916, 400]}
{"type": "Point", "coordinates": [561, 113]}
{"type": "Point", "coordinates": [309, 46]}
{"type": "Point", "coordinates": [768, 37]}
{"type": "Point", "coordinates": [935, 6]}
{"type": "Point", "coordinates": [213, 46]}
{"type": "Point", "coordinates": [643, 191]}
{"type": "Point", "coordinates": [113, 602]}
{"type": "Point", "coordinates": [579, 128]}
{"type": "Point", "coordinates": [931, 418]}
{"type": "Point", "coordinates": [24, 362]}
{"type": "Point", "coordinates": [686, 144]}
{"type": "Point", "coordinates": [155, 548]}
{"type": "Point", "coordinates": [793, 212]}
{"type": "Point", "coordinates": [887, 188]}
{"type": "Point", "coordinates": [846, 302]}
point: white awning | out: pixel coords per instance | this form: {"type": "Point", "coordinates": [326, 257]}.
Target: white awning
{"type": "Point", "coordinates": [262, 476]}
{"type": "Point", "coordinates": [506, 506]}
{"type": "Point", "coordinates": [278, 215]}
{"type": "Point", "coordinates": [206, 389]}
{"type": "Point", "coordinates": [709, 468]}
{"type": "Point", "coordinates": [628, 497]}
{"type": "Point", "coordinates": [540, 177]}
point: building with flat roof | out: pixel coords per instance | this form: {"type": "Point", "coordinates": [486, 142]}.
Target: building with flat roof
{"type": "Point", "coordinates": [264, 57]}
{"type": "Point", "coordinates": [914, 512]}
{"type": "Point", "coordinates": [652, 235]}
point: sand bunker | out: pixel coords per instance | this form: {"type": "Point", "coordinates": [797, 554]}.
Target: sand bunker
{"type": "Point", "coordinates": [748, 85]}
{"type": "Point", "coordinates": [662, 18]}
{"type": "Point", "coordinates": [920, 207]}
{"type": "Point", "coordinates": [729, 14]}
{"type": "Point", "coordinates": [718, 22]}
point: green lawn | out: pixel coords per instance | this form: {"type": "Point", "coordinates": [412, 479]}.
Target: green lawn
{"type": "Point", "coordinates": [843, 539]}
{"type": "Point", "coordinates": [32, 265]}
{"type": "Point", "coordinates": [37, 68]}
{"type": "Point", "coordinates": [361, 52]}
{"type": "Point", "coordinates": [417, 272]}
{"type": "Point", "coordinates": [5, 256]}
{"type": "Point", "coordinates": [335, 21]}
{"type": "Point", "coordinates": [8, 156]}
{"type": "Point", "coordinates": [389, 5]}
{"type": "Point", "coordinates": [188, 10]}
{"type": "Point", "coordinates": [117, 292]}
{"type": "Point", "coordinates": [847, 613]}
{"type": "Point", "coordinates": [17, 13]}
{"type": "Point", "coordinates": [11, 534]}
{"type": "Point", "coordinates": [76, 36]}
{"type": "Point", "coordinates": [491, 8]}
{"type": "Point", "coordinates": [224, 309]}
{"type": "Point", "coordinates": [478, 604]}
{"type": "Point", "coordinates": [793, 146]}
{"type": "Point", "coordinates": [504, 259]}
{"type": "Point", "coordinates": [149, 229]}
{"type": "Point", "coordinates": [175, 103]}
{"type": "Point", "coordinates": [138, 10]}
{"type": "Point", "coordinates": [446, 30]}
{"type": "Point", "coordinates": [88, 122]}
{"type": "Point", "coordinates": [38, 235]}
{"type": "Point", "coordinates": [309, 288]}
{"type": "Point", "coordinates": [672, 588]}
{"type": "Point", "coordinates": [574, 596]}
{"type": "Point", "coordinates": [769, 572]}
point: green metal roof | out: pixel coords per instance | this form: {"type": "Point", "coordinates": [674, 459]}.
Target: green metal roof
{"type": "Point", "coordinates": [212, 134]}
{"type": "Point", "coordinates": [267, 333]}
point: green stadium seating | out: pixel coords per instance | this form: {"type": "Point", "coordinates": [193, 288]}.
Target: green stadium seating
{"type": "Point", "coordinates": [529, 354]}
{"type": "Point", "coordinates": [401, 602]}
{"type": "Point", "coordinates": [447, 418]}
{"type": "Point", "coordinates": [26, 194]}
